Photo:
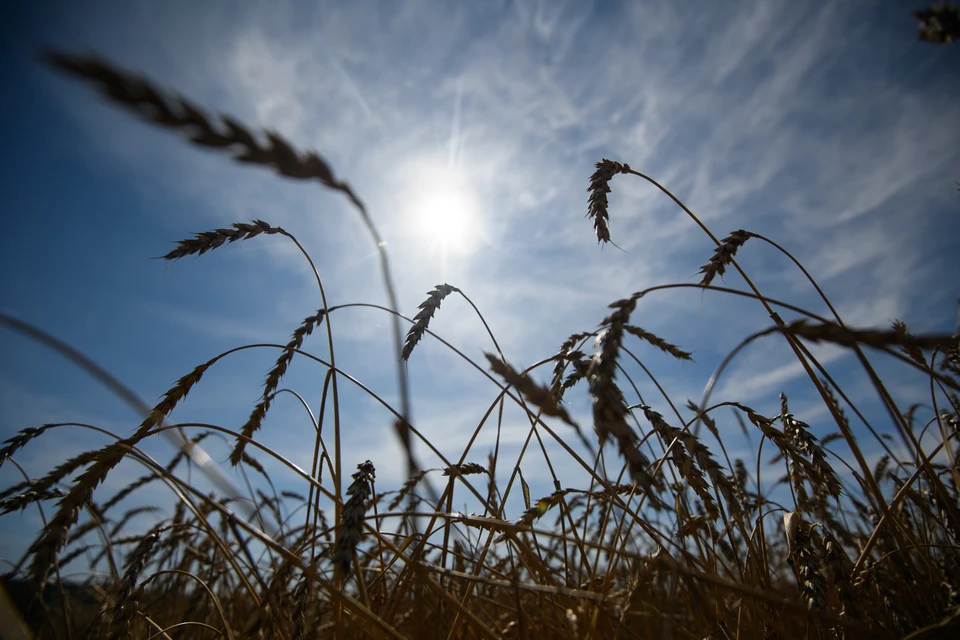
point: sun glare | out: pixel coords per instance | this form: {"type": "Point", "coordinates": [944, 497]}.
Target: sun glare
{"type": "Point", "coordinates": [444, 213]}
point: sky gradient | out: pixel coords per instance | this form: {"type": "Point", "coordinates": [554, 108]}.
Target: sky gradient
{"type": "Point", "coordinates": [827, 127]}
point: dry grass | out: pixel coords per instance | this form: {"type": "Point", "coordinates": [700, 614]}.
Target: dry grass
{"type": "Point", "coordinates": [667, 538]}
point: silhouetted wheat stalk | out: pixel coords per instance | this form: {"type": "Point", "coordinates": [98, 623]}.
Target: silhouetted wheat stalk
{"type": "Point", "coordinates": [348, 536]}
{"type": "Point", "coordinates": [609, 408]}
{"type": "Point", "coordinates": [421, 321]}
{"type": "Point", "coordinates": [143, 98]}
{"type": "Point", "coordinates": [273, 381]}
{"type": "Point", "coordinates": [723, 255]}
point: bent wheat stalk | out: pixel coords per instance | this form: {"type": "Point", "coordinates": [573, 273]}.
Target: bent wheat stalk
{"type": "Point", "coordinates": [176, 112]}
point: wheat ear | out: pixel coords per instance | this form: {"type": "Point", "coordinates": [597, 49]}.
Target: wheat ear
{"type": "Point", "coordinates": [422, 320]}
{"type": "Point", "coordinates": [723, 255]}
{"type": "Point", "coordinates": [351, 519]}
{"type": "Point", "coordinates": [599, 188]}
{"type": "Point", "coordinates": [609, 409]}
{"type": "Point", "coordinates": [273, 381]}
{"type": "Point", "coordinates": [804, 559]}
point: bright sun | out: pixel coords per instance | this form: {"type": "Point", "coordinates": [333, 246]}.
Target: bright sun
{"type": "Point", "coordinates": [444, 212]}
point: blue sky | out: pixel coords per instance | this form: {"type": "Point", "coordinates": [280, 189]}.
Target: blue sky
{"type": "Point", "coordinates": [825, 126]}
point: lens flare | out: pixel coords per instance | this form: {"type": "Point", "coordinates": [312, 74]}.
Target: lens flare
{"type": "Point", "coordinates": [444, 213]}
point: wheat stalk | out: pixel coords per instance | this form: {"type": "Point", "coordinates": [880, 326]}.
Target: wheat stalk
{"type": "Point", "coordinates": [837, 334]}
{"type": "Point", "coordinates": [210, 240]}
{"type": "Point", "coordinates": [259, 411]}
{"type": "Point", "coordinates": [139, 95]}
{"type": "Point", "coordinates": [421, 321]}
{"type": "Point", "coordinates": [20, 440]}
{"type": "Point", "coordinates": [128, 597]}
{"type": "Point", "coordinates": [407, 487]}
{"type": "Point", "coordinates": [21, 501]}
{"type": "Point", "coordinates": [567, 353]}
{"type": "Point", "coordinates": [532, 392]}
{"type": "Point", "coordinates": [823, 479]}
{"type": "Point", "coordinates": [609, 409]}
{"type": "Point", "coordinates": [464, 469]}
{"type": "Point", "coordinates": [301, 596]}
{"type": "Point", "coordinates": [723, 255]}
{"type": "Point", "coordinates": [50, 480]}
{"type": "Point", "coordinates": [351, 519]}
{"type": "Point", "coordinates": [658, 342]}
{"type": "Point", "coordinates": [803, 557]}
{"type": "Point", "coordinates": [599, 188]}
{"type": "Point", "coordinates": [682, 446]}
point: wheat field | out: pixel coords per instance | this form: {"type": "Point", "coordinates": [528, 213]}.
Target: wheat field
{"type": "Point", "coordinates": [670, 537]}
